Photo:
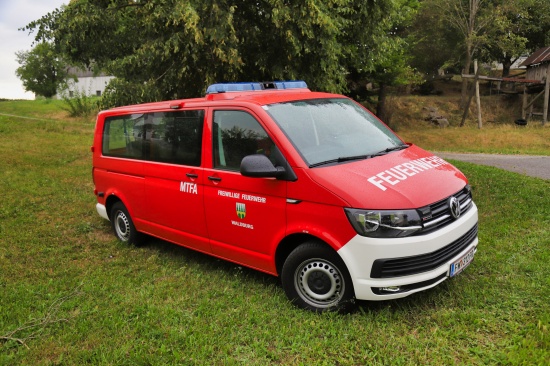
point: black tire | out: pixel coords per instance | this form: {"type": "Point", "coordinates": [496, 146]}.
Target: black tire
{"type": "Point", "coordinates": [123, 226]}
{"type": "Point", "coordinates": [314, 277]}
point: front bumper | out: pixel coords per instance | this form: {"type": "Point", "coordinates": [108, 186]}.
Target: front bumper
{"type": "Point", "coordinates": [361, 252]}
{"type": "Point", "coordinates": [102, 211]}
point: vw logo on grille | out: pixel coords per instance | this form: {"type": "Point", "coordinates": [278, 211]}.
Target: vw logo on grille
{"type": "Point", "coordinates": [454, 206]}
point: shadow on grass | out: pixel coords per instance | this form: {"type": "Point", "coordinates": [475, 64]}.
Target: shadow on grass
{"type": "Point", "coordinates": [180, 255]}
{"type": "Point", "coordinates": [176, 255]}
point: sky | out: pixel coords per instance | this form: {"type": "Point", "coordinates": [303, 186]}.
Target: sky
{"type": "Point", "coordinates": [15, 14]}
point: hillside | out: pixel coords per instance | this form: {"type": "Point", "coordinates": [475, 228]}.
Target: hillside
{"type": "Point", "coordinates": [499, 133]}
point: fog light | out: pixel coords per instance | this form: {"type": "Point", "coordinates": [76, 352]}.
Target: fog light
{"type": "Point", "coordinates": [390, 289]}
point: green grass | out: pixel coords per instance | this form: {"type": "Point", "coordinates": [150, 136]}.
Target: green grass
{"type": "Point", "coordinates": [42, 108]}
{"type": "Point", "coordinates": [94, 300]}
{"type": "Point", "coordinates": [492, 139]}
{"type": "Point", "coordinates": [499, 135]}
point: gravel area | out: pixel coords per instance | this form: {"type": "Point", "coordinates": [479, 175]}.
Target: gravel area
{"type": "Point", "coordinates": [532, 165]}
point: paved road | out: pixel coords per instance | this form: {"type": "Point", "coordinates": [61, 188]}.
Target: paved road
{"type": "Point", "coordinates": [532, 165]}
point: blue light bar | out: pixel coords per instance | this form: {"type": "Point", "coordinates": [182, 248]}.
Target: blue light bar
{"type": "Point", "coordinates": [254, 86]}
{"type": "Point", "coordinates": [291, 84]}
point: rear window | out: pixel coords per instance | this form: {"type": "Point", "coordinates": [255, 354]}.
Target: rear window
{"type": "Point", "coordinates": [168, 137]}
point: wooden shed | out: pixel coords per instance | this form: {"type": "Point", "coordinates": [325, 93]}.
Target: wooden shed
{"type": "Point", "coordinates": [537, 64]}
{"type": "Point", "coordinates": [538, 68]}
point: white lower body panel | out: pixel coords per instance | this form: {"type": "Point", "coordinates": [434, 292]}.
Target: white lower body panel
{"type": "Point", "coordinates": [361, 252]}
{"type": "Point", "coordinates": [102, 211]}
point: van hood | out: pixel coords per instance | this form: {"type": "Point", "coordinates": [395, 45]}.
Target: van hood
{"type": "Point", "coordinates": [409, 178]}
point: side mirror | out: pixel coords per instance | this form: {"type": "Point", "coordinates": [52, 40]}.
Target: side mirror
{"type": "Point", "coordinates": [259, 166]}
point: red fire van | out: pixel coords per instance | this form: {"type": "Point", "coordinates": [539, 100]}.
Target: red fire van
{"type": "Point", "coordinates": [307, 186]}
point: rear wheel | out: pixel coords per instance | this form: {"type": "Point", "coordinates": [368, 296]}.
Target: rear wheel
{"type": "Point", "coordinates": [315, 278]}
{"type": "Point", "coordinates": [123, 226]}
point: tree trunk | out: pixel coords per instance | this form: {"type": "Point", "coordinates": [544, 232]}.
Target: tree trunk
{"type": "Point", "coordinates": [470, 46]}
{"type": "Point", "coordinates": [506, 65]}
{"type": "Point", "coordinates": [467, 64]}
{"type": "Point", "coordinates": [381, 106]}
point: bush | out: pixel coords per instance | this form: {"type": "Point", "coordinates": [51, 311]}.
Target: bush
{"type": "Point", "coordinates": [81, 104]}
{"type": "Point", "coordinates": [120, 92]}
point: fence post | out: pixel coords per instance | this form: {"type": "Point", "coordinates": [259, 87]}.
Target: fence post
{"type": "Point", "coordinates": [478, 100]}
{"type": "Point", "coordinates": [546, 96]}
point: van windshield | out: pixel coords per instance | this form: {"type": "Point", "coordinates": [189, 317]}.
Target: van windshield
{"type": "Point", "coordinates": [326, 131]}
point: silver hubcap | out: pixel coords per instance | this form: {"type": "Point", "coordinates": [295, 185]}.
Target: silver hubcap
{"type": "Point", "coordinates": [319, 283]}
{"type": "Point", "coordinates": [122, 226]}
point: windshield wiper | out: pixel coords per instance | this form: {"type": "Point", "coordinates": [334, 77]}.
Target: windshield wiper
{"type": "Point", "coordinates": [390, 149]}
{"type": "Point", "coordinates": [360, 157]}
{"type": "Point", "coordinates": [349, 158]}
{"type": "Point", "coordinates": [341, 160]}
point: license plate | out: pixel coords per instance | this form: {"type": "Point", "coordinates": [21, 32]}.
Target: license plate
{"type": "Point", "coordinates": [462, 263]}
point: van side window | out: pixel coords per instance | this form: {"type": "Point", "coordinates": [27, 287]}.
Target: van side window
{"type": "Point", "coordinates": [123, 136]}
{"type": "Point", "coordinates": [167, 137]}
{"type": "Point", "coordinates": [237, 134]}
{"type": "Point", "coordinates": [175, 137]}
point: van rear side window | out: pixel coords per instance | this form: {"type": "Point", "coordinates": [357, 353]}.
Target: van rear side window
{"type": "Point", "coordinates": [167, 137]}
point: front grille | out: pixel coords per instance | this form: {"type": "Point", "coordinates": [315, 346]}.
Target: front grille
{"type": "Point", "coordinates": [438, 214]}
{"type": "Point", "coordinates": [396, 267]}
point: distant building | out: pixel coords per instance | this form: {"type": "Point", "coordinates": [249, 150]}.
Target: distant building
{"type": "Point", "coordinates": [538, 64]}
{"type": "Point", "coordinates": [86, 82]}
{"type": "Point", "coordinates": [516, 65]}
{"type": "Point", "coordinates": [538, 70]}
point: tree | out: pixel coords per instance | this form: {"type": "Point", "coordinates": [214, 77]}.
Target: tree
{"type": "Point", "coordinates": [433, 44]}
{"type": "Point", "coordinates": [164, 49]}
{"type": "Point", "coordinates": [471, 18]}
{"type": "Point", "coordinates": [452, 32]}
{"type": "Point", "coordinates": [538, 32]}
{"type": "Point", "coordinates": [520, 27]}
{"type": "Point", "coordinates": [393, 70]}
{"type": "Point", "coordinates": [393, 67]}
{"type": "Point", "coordinates": [42, 71]}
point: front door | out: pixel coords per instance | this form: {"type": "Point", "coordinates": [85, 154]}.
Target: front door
{"type": "Point", "coordinates": [245, 216]}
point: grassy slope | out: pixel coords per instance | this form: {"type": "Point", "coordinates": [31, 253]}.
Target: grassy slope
{"type": "Point", "coordinates": [498, 135]}
{"type": "Point", "coordinates": [163, 304]}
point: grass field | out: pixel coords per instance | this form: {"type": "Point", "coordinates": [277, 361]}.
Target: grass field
{"type": "Point", "coordinates": [71, 294]}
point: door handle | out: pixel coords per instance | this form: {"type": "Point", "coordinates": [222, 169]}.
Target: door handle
{"type": "Point", "coordinates": [215, 179]}
{"type": "Point", "coordinates": [191, 175]}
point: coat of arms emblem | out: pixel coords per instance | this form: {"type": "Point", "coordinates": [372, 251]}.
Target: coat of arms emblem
{"type": "Point", "coordinates": [241, 210]}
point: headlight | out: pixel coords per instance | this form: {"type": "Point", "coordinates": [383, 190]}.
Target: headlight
{"type": "Point", "coordinates": [384, 224]}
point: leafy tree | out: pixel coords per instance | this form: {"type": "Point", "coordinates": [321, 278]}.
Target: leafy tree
{"type": "Point", "coordinates": [393, 70]}
{"type": "Point", "coordinates": [472, 19]}
{"type": "Point", "coordinates": [453, 32]}
{"type": "Point", "coordinates": [393, 66]}
{"type": "Point", "coordinates": [164, 49]}
{"type": "Point", "coordinates": [434, 44]}
{"type": "Point", "coordinates": [519, 27]}
{"type": "Point", "coordinates": [538, 31]}
{"type": "Point", "coordinates": [42, 71]}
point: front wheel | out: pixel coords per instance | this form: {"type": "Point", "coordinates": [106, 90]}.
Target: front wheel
{"type": "Point", "coordinates": [123, 226]}
{"type": "Point", "coordinates": [315, 278]}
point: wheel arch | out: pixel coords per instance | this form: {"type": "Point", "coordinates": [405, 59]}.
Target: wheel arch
{"type": "Point", "coordinates": [110, 201]}
{"type": "Point", "coordinates": [291, 242]}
